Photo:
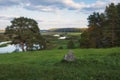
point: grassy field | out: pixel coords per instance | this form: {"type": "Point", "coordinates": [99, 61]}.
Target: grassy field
{"type": "Point", "coordinates": [60, 33]}
{"type": "Point", "coordinates": [55, 43]}
{"type": "Point", "coordinates": [91, 64]}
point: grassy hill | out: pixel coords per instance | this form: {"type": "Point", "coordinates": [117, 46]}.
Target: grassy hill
{"type": "Point", "coordinates": [91, 64]}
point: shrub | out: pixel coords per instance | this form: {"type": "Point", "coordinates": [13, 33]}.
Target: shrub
{"type": "Point", "coordinates": [60, 47]}
{"type": "Point", "coordinates": [71, 45]}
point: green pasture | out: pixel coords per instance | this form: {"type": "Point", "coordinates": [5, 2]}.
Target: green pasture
{"type": "Point", "coordinates": [90, 64]}
{"type": "Point", "coordinates": [55, 43]}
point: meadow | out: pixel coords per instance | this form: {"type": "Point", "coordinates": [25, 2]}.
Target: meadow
{"type": "Point", "coordinates": [90, 64]}
{"type": "Point", "coordinates": [55, 43]}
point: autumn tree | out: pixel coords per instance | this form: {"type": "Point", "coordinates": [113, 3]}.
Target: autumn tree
{"type": "Point", "coordinates": [93, 34]}
{"type": "Point", "coordinates": [103, 29]}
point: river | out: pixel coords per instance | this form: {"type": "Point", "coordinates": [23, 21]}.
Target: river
{"type": "Point", "coordinates": [9, 48]}
{"type": "Point", "coordinates": [12, 48]}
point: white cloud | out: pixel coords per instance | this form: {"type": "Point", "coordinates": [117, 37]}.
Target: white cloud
{"type": "Point", "coordinates": [98, 4]}
{"type": "Point", "coordinates": [53, 5]}
{"type": "Point", "coordinates": [71, 4]}
{"type": "Point", "coordinates": [51, 13]}
{"type": "Point", "coordinates": [43, 5]}
{"type": "Point", "coordinates": [6, 17]}
{"type": "Point", "coordinates": [114, 1]}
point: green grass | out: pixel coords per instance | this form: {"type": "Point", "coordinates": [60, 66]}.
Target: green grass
{"type": "Point", "coordinates": [74, 33]}
{"type": "Point", "coordinates": [60, 33]}
{"type": "Point", "coordinates": [91, 64]}
{"type": "Point", "coordinates": [55, 43]}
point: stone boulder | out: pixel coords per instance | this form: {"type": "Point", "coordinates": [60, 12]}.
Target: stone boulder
{"type": "Point", "coordinates": [69, 57]}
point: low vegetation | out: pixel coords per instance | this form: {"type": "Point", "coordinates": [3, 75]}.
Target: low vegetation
{"type": "Point", "coordinates": [91, 64]}
{"type": "Point", "coordinates": [3, 45]}
{"type": "Point", "coordinates": [67, 29]}
{"type": "Point", "coordinates": [53, 42]}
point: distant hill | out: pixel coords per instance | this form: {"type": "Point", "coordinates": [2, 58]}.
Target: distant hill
{"type": "Point", "coordinates": [42, 31]}
{"type": "Point", "coordinates": [67, 29]}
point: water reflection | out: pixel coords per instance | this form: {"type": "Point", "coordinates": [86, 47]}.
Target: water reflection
{"type": "Point", "coordinates": [9, 49]}
{"type": "Point", "coordinates": [15, 48]}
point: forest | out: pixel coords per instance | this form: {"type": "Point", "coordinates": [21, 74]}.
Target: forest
{"type": "Point", "coordinates": [103, 29]}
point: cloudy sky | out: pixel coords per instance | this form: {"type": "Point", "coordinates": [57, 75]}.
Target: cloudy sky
{"type": "Point", "coordinates": [51, 13]}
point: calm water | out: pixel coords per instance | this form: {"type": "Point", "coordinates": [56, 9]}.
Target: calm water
{"type": "Point", "coordinates": [9, 48]}
{"type": "Point", "coordinates": [12, 48]}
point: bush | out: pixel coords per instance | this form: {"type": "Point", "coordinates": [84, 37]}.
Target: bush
{"type": "Point", "coordinates": [60, 47]}
{"type": "Point", "coordinates": [71, 45]}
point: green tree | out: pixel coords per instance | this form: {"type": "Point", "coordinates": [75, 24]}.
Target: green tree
{"type": "Point", "coordinates": [104, 28]}
{"type": "Point", "coordinates": [25, 31]}
{"type": "Point", "coordinates": [94, 31]}
{"type": "Point", "coordinates": [112, 19]}
{"type": "Point", "coordinates": [118, 27]}
{"type": "Point", "coordinates": [70, 45]}
{"type": "Point", "coordinates": [84, 40]}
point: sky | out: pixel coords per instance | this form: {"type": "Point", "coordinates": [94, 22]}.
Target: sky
{"type": "Point", "coordinates": [52, 13]}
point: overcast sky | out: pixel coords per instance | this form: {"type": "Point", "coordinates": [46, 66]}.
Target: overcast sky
{"type": "Point", "coordinates": [52, 13]}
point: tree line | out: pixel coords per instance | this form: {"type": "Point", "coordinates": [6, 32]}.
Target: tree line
{"type": "Point", "coordinates": [67, 30]}
{"type": "Point", "coordinates": [103, 29]}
